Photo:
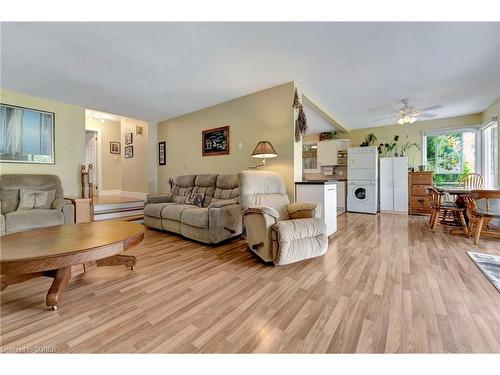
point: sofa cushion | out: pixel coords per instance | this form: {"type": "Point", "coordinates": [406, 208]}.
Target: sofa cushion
{"type": "Point", "coordinates": [182, 187]}
{"type": "Point", "coordinates": [226, 188]}
{"type": "Point", "coordinates": [174, 211]}
{"type": "Point", "coordinates": [195, 199]}
{"type": "Point", "coordinates": [30, 199]}
{"type": "Point", "coordinates": [205, 183]}
{"type": "Point", "coordinates": [32, 181]}
{"type": "Point", "coordinates": [155, 209]}
{"type": "Point", "coordinates": [9, 199]}
{"type": "Point", "coordinates": [196, 217]}
{"type": "Point", "coordinates": [18, 221]}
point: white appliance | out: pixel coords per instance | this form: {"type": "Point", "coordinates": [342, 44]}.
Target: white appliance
{"type": "Point", "coordinates": [362, 177]}
{"type": "Point", "coordinates": [324, 193]}
{"type": "Point", "coordinates": [394, 184]}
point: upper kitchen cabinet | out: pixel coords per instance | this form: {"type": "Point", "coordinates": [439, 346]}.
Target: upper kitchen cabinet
{"type": "Point", "coordinates": [327, 151]}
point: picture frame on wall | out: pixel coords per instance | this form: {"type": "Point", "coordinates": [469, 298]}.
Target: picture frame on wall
{"type": "Point", "coordinates": [215, 141]}
{"type": "Point", "coordinates": [129, 152]}
{"type": "Point", "coordinates": [28, 135]}
{"type": "Point", "coordinates": [128, 138]}
{"type": "Point", "coordinates": [162, 153]}
{"type": "Point", "coordinates": [114, 147]}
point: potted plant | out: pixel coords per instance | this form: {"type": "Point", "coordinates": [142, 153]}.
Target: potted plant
{"type": "Point", "coordinates": [407, 147]}
{"type": "Point", "coordinates": [389, 148]}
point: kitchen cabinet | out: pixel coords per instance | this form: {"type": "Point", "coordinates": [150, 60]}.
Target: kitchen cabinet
{"type": "Point", "coordinates": [394, 184]}
{"type": "Point", "coordinates": [324, 193]}
{"type": "Point", "coordinates": [327, 151]}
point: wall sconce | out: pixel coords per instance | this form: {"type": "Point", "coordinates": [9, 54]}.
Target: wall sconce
{"type": "Point", "coordinates": [263, 150]}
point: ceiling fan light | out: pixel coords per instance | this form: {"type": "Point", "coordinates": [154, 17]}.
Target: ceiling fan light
{"type": "Point", "coordinates": [413, 119]}
{"type": "Point", "coordinates": [401, 121]}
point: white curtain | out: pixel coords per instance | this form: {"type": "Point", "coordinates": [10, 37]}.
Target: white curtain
{"type": "Point", "coordinates": [11, 130]}
{"type": "Point", "coordinates": [46, 134]}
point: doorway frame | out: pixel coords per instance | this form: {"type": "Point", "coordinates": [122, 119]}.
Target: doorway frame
{"type": "Point", "coordinates": [99, 157]}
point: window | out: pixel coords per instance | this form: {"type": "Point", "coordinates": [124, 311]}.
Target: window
{"type": "Point", "coordinates": [489, 137]}
{"type": "Point", "coordinates": [451, 154]}
{"type": "Point", "coordinates": [26, 135]}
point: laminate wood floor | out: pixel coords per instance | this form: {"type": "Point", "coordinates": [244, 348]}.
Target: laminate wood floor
{"type": "Point", "coordinates": [387, 284]}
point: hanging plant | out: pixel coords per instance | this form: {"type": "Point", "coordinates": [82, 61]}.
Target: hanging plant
{"type": "Point", "coordinates": [301, 121]}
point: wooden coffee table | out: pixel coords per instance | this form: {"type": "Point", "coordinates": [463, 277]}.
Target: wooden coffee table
{"type": "Point", "coordinates": [52, 251]}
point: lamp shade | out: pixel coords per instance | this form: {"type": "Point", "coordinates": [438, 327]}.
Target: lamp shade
{"type": "Point", "coordinates": [263, 150]}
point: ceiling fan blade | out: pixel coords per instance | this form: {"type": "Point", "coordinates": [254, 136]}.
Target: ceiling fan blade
{"type": "Point", "coordinates": [427, 115]}
{"type": "Point", "coordinates": [384, 118]}
{"type": "Point", "coordinates": [430, 108]}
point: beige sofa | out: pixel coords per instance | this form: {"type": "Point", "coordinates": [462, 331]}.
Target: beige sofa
{"type": "Point", "coordinates": [13, 220]}
{"type": "Point", "coordinates": [219, 217]}
{"type": "Point", "coordinates": [278, 231]}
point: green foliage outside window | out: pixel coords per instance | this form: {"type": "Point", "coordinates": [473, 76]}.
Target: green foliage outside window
{"type": "Point", "coordinates": [445, 155]}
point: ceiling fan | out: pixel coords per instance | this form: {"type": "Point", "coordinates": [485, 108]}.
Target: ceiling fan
{"type": "Point", "coordinates": [408, 114]}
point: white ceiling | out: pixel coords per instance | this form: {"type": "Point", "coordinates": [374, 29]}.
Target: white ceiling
{"type": "Point", "coordinates": [356, 71]}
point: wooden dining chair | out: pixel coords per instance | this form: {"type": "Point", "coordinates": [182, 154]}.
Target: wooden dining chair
{"type": "Point", "coordinates": [472, 181]}
{"type": "Point", "coordinates": [448, 214]}
{"type": "Point", "coordinates": [483, 208]}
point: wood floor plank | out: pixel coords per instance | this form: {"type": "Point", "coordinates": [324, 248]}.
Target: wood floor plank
{"type": "Point", "coordinates": [387, 284]}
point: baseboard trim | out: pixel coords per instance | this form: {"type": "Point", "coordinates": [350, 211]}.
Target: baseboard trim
{"type": "Point", "coordinates": [135, 194]}
{"type": "Point", "coordinates": [110, 192]}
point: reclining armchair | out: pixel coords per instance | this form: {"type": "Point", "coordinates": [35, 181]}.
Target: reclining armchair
{"type": "Point", "coordinates": [276, 230]}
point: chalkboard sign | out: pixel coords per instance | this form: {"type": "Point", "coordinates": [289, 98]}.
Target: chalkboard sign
{"type": "Point", "coordinates": [215, 141]}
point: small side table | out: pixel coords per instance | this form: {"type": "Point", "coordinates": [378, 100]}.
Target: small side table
{"type": "Point", "coordinates": [83, 209]}
{"type": "Point", "coordinates": [83, 214]}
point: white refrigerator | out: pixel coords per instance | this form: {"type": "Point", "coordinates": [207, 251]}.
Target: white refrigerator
{"type": "Point", "coordinates": [394, 185]}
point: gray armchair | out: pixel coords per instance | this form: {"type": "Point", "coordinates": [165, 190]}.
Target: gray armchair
{"type": "Point", "coordinates": [13, 220]}
{"type": "Point", "coordinates": [276, 230]}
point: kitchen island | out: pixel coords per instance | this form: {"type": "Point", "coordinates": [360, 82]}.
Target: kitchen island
{"type": "Point", "coordinates": [324, 193]}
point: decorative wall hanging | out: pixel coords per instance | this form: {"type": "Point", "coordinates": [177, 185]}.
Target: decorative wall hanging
{"type": "Point", "coordinates": [301, 121]}
{"type": "Point", "coordinates": [138, 130]}
{"type": "Point", "coordinates": [114, 147]}
{"type": "Point", "coordinates": [162, 153]}
{"type": "Point", "coordinates": [129, 152]}
{"type": "Point", "coordinates": [128, 138]}
{"type": "Point", "coordinates": [26, 135]}
{"type": "Point", "coordinates": [215, 141]}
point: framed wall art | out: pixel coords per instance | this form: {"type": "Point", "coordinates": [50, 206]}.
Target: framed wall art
{"type": "Point", "coordinates": [129, 152]}
{"type": "Point", "coordinates": [114, 147]}
{"type": "Point", "coordinates": [128, 138]}
{"type": "Point", "coordinates": [26, 135]}
{"type": "Point", "coordinates": [215, 141]}
{"type": "Point", "coordinates": [162, 153]}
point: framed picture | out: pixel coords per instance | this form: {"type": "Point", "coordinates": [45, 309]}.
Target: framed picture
{"type": "Point", "coordinates": [215, 141]}
{"type": "Point", "coordinates": [114, 147]}
{"type": "Point", "coordinates": [162, 153]}
{"type": "Point", "coordinates": [28, 135]}
{"type": "Point", "coordinates": [128, 138]}
{"type": "Point", "coordinates": [129, 152]}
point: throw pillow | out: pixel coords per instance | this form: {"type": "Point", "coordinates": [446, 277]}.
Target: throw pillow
{"type": "Point", "coordinates": [36, 199]}
{"type": "Point", "coordinates": [196, 199]}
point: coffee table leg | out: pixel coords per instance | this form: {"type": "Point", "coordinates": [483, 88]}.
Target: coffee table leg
{"type": "Point", "coordinates": [117, 260]}
{"type": "Point", "coordinates": [61, 278]}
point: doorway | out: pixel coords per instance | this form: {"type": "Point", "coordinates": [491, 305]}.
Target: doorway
{"type": "Point", "coordinates": [92, 156]}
